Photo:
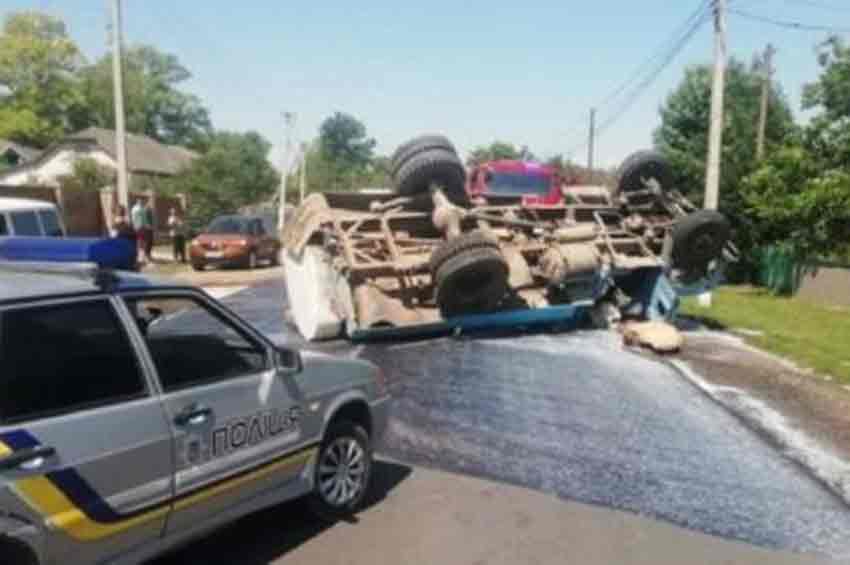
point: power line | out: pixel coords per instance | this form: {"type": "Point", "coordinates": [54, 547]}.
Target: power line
{"type": "Point", "coordinates": [815, 4]}
{"type": "Point", "coordinates": [662, 60]}
{"type": "Point", "coordinates": [659, 52]}
{"type": "Point", "coordinates": [786, 24]}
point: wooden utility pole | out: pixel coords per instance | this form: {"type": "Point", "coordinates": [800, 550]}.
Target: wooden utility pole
{"type": "Point", "coordinates": [715, 135]}
{"type": "Point", "coordinates": [591, 142]}
{"type": "Point", "coordinates": [118, 95]}
{"type": "Point", "coordinates": [767, 69]}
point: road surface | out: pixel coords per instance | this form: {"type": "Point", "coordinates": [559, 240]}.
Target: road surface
{"type": "Point", "coordinates": [578, 417]}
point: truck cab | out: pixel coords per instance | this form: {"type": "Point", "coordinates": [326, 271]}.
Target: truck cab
{"type": "Point", "coordinates": [531, 183]}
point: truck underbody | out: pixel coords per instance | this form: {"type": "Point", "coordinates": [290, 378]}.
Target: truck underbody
{"type": "Point", "coordinates": [375, 265]}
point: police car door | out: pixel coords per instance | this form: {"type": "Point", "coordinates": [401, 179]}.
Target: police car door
{"type": "Point", "coordinates": [235, 419]}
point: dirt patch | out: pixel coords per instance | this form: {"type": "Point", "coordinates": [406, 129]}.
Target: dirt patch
{"type": "Point", "coordinates": [818, 408]}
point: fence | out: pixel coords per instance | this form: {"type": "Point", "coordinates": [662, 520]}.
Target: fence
{"type": "Point", "coordinates": [820, 282]}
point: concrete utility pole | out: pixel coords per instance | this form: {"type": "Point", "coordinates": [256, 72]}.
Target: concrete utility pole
{"type": "Point", "coordinates": [302, 180]}
{"type": "Point", "coordinates": [715, 135]}
{"type": "Point", "coordinates": [118, 95]}
{"type": "Point", "coordinates": [591, 142]}
{"type": "Point", "coordinates": [767, 69]}
{"type": "Point", "coordinates": [289, 124]}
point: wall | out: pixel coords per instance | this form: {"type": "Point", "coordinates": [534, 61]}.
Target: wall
{"type": "Point", "coordinates": [826, 285]}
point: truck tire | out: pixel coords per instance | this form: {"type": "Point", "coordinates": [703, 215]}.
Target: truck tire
{"type": "Point", "coordinates": [470, 275]}
{"type": "Point", "coordinates": [640, 167]}
{"type": "Point", "coordinates": [416, 146]}
{"type": "Point", "coordinates": [699, 239]}
{"type": "Point", "coordinates": [432, 167]}
{"type": "Point", "coordinates": [345, 455]}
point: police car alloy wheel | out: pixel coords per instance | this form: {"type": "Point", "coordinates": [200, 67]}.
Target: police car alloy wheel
{"type": "Point", "coordinates": [343, 469]}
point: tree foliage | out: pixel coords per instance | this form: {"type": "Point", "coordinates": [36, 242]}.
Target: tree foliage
{"type": "Point", "coordinates": [800, 196]}
{"type": "Point", "coordinates": [683, 134]}
{"type": "Point", "coordinates": [234, 172]}
{"type": "Point", "coordinates": [343, 141]}
{"type": "Point", "coordinates": [154, 104]}
{"type": "Point", "coordinates": [39, 96]}
{"type": "Point", "coordinates": [498, 150]}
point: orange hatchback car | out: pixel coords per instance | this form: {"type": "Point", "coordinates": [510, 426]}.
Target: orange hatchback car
{"type": "Point", "coordinates": [242, 241]}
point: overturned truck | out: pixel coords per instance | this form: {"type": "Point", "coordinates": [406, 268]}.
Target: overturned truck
{"type": "Point", "coordinates": [428, 259]}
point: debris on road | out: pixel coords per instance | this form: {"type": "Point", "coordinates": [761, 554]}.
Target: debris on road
{"type": "Point", "coordinates": [659, 336]}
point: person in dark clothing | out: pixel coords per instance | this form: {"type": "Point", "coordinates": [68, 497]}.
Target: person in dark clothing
{"type": "Point", "coordinates": [178, 236]}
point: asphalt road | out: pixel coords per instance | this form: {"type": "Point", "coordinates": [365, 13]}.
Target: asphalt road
{"type": "Point", "coordinates": [577, 416]}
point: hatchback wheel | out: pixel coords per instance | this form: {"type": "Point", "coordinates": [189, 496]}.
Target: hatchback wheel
{"type": "Point", "coordinates": [343, 470]}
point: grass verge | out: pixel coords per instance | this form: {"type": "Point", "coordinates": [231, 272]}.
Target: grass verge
{"type": "Point", "coordinates": [812, 335]}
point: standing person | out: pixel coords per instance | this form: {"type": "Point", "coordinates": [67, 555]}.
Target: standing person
{"type": "Point", "coordinates": [123, 229]}
{"type": "Point", "coordinates": [149, 230]}
{"type": "Point", "coordinates": [178, 235]}
{"type": "Point", "coordinates": [137, 217]}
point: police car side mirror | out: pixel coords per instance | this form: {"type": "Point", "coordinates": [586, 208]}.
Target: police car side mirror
{"type": "Point", "coordinates": [289, 360]}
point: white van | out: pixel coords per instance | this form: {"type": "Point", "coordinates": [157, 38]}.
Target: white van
{"type": "Point", "coordinates": [29, 218]}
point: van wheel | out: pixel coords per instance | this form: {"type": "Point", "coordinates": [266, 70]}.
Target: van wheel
{"type": "Point", "coordinates": [343, 471]}
{"type": "Point", "coordinates": [198, 266]}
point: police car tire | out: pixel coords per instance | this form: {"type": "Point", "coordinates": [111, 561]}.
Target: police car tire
{"type": "Point", "coordinates": [323, 509]}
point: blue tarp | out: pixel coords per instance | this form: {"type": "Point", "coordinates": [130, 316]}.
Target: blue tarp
{"type": "Point", "coordinates": [111, 253]}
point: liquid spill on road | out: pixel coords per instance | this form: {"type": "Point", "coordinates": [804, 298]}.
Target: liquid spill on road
{"type": "Point", "coordinates": [577, 416]}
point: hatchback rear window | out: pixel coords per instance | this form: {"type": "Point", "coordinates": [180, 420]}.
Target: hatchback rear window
{"type": "Point", "coordinates": [25, 223]}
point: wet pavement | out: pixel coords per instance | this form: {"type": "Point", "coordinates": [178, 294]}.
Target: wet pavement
{"type": "Point", "coordinates": [577, 416]}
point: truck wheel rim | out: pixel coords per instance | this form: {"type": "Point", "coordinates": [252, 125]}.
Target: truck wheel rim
{"type": "Point", "coordinates": [342, 471]}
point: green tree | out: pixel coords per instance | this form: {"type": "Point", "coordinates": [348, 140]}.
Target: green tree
{"type": "Point", "coordinates": [683, 134]}
{"type": "Point", "coordinates": [234, 172]}
{"type": "Point", "coordinates": [39, 96]}
{"type": "Point", "coordinates": [88, 174]}
{"type": "Point", "coordinates": [343, 154]}
{"type": "Point", "coordinates": [800, 205]}
{"type": "Point", "coordinates": [496, 151]}
{"type": "Point", "coordinates": [154, 104]}
{"type": "Point", "coordinates": [830, 91]}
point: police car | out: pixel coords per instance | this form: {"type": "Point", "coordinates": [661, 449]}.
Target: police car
{"type": "Point", "coordinates": [136, 414]}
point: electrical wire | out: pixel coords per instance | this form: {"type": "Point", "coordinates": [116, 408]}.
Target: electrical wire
{"type": "Point", "coordinates": [661, 59]}
{"type": "Point", "coordinates": [787, 24]}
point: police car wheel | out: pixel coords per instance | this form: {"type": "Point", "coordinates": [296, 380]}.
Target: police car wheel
{"type": "Point", "coordinates": [342, 471]}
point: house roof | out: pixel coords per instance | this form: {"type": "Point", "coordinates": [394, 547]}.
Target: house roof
{"type": "Point", "coordinates": [25, 153]}
{"type": "Point", "coordinates": [144, 155]}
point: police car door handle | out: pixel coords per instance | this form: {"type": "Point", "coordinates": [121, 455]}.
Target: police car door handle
{"type": "Point", "coordinates": [28, 459]}
{"type": "Point", "coordinates": [193, 415]}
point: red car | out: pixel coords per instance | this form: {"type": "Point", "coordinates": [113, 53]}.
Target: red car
{"type": "Point", "coordinates": [242, 241]}
{"type": "Point", "coordinates": [536, 184]}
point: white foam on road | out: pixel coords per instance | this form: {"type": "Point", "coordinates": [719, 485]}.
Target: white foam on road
{"type": "Point", "coordinates": [829, 468]}
{"type": "Point", "coordinates": [219, 292]}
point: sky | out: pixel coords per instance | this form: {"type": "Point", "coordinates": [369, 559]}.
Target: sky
{"type": "Point", "coordinates": [525, 72]}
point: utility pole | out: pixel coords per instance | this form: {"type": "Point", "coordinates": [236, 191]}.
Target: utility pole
{"type": "Point", "coordinates": [302, 180]}
{"type": "Point", "coordinates": [118, 95]}
{"type": "Point", "coordinates": [590, 145]}
{"type": "Point", "coordinates": [767, 69]}
{"type": "Point", "coordinates": [289, 124]}
{"type": "Point", "coordinates": [715, 135]}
